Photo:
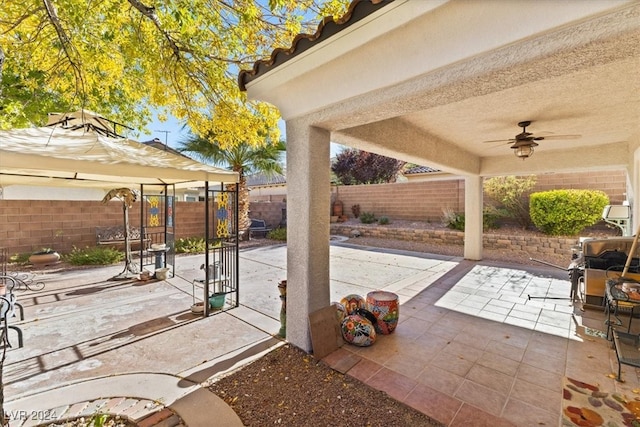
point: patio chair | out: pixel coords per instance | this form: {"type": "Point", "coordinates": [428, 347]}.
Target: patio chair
{"type": "Point", "coordinates": [8, 304]}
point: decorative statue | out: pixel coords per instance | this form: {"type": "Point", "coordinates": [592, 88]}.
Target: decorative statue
{"type": "Point", "coordinates": [128, 197]}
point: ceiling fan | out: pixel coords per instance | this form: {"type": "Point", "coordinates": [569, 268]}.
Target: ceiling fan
{"type": "Point", "coordinates": [524, 142]}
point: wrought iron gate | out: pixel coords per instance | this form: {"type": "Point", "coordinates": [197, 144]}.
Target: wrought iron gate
{"type": "Point", "coordinates": [221, 256]}
{"type": "Point", "coordinates": [157, 216]}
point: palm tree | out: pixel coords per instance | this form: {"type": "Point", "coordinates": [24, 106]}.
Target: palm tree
{"type": "Point", "coordinates": [243, 158]}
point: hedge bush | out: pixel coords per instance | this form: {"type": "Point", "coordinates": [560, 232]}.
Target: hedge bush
{"type": "Point", "coordinates": [566, 212]}
{"type": "Point", "coordinates": [367, 218]}
{"type": "Point", "coordinates": [190, 245]}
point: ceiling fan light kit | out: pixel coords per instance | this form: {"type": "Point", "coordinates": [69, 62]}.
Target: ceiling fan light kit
{"type": "Point", "coordinates": [523, 149]}
{"type": "Point", "coordinates": [524, 142]}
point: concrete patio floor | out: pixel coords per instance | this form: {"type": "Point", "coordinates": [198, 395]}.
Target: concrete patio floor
{"type": "Point", "coordinates": [471, 348]}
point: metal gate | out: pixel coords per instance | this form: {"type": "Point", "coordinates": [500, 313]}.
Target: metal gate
{"type": "Point", "coordinates": [157, 219]}
{"type": "Point", "coordinates": [221, 255]}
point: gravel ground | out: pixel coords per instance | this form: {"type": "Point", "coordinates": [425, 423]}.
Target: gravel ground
{"type": "Point", "coordinates": [290, 388]}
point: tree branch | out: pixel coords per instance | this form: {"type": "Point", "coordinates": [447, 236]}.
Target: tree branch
{"type": "Point", "coordinates": [149, 12]}
{"type": "Point", "coordinates": [67, 45]}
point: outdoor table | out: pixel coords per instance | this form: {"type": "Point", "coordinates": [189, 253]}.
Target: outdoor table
{"type": "Point", "coordinates": [615, 298]}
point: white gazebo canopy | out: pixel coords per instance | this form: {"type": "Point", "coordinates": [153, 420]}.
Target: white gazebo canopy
{"type": "Point", "coordinates": [55, 156]}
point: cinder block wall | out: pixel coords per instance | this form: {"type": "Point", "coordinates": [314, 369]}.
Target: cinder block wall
{"type": "Point", "coordinates": [417, 201]}
{"type": "Point", "coordinates": [424, 201]}
{"type": "Point", "coordinates": [271, 212]}
{"type": "Point", "coordinates": [29, 225]}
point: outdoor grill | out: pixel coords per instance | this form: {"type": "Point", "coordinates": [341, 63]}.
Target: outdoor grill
{"type": "Point", "coordinates": [594, 261]}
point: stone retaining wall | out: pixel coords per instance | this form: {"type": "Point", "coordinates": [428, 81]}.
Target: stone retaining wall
{"type": "Point", "coordinates": [543, 245]}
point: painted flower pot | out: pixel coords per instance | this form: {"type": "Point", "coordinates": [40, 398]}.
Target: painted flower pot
{"type": "Point", "coordinates": [352, 302]}
{"type": "Point", "coordinates": [341, 311]}
{"type": "Point", "coordinates": [385, 307]}
{"type": "Point", "coordinates": [357, 330]}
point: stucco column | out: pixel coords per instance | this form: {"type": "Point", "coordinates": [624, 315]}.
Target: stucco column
{"type": "Point", "coordinates": [473, 199]}
{"type": "Point", "coordinates": [308, 199]}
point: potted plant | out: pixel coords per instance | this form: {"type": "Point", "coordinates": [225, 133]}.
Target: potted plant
{"type": "Point", "coordinates": [46, 256]}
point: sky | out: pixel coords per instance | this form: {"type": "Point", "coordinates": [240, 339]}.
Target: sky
{"type": "Point", "coordinates": [173, 128]}
{"type": "Point", "coordinates": [176, 133]}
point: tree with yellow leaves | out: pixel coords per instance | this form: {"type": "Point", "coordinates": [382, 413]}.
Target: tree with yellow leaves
{"type": "Point", "coordinates": [125, 59]}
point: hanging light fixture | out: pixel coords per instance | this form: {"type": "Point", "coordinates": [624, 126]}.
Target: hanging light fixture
{"type": "Point", "coordinates": [523, 149]}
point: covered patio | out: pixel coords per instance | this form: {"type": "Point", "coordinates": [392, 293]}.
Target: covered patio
{"type": "Point", "coordinates": [428, 82]}
{"type": "Point", "coordinates": [455, 85]}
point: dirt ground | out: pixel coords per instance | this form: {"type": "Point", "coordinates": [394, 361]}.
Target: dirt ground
{"type": "Point", "coordinates": [290, 388]}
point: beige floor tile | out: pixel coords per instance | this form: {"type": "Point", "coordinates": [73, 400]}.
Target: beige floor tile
{"type": "Point", "coordinates": [435, 404]}
{"type": "Point", "coordinates": [482, 397]}
{"type": "Point", "coordinates": [523, 414]}
{"type": "Point", "coordinates": [490, 378]}
{"type": "Point", "coordinates": [499, 363]}
{"type": "Point", "coordinates": [540, 377]}
{"type": "Point", "coordinates": [505, 350]}
{"type": "Point", "coordinates": [534, 395]}
{"type": "Point", "coordinates": [439, 379]}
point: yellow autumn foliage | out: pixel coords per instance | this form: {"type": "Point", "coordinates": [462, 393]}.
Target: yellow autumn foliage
{"type": "Point", "coordinates": [129, 59]}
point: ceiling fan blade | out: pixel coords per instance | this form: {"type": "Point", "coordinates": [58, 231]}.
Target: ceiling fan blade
{"type": "Point", "coordinates": [506, 141]}
{"type": "Point", "coordinates": [560, 137]}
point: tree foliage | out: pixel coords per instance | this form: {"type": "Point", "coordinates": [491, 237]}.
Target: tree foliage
{"type": "Point", "coordinates": [242, 158]}
{"type": "Point", "coordinates": [511, 195]}
{"type": "Point", "coordinates": [122, 59]}
{"type": "Point", "coordinates": [354, 166]}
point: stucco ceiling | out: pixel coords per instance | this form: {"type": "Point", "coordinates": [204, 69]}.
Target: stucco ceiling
{"type": "Point", "coordinates": [432, 90]}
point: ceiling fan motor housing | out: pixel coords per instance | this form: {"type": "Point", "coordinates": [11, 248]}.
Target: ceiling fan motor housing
{"type": "Point", "coordinates": [524, 142]}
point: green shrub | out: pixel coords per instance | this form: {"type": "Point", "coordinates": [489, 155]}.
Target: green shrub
{"type": "Point", "coordinates": [452, 219]}
{"type": "Point", "coordinates": [279, 233]}
{"type": "Point", "coordinates": [455, 220]}
{"type": "Point", "coordinates": [383, 220]}
{"type": "Point", "coordinates": [490, 217]}
{"type": "Point", "coordinates": [509, 193]}
{"type": "Point", "coordinates": [20, 259]}
{"type": "Point", "coordinates": [190, 245]}
{"type": "Point", "coordinates": [367, 218]}
{"type": "Point", "coordinates": [94, 256]}
{"type": "Point", "coordinates": [566, 212]}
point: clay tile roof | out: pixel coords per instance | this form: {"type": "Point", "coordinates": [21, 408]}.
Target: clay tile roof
{"type": "Point", "coordinates": [358, 9]}
{"type": "Point", "coordinates": [420, 169]}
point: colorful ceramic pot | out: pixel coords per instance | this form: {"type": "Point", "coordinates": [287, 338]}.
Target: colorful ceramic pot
{"type": "Point", "coordinates": [385, 306]}
{"type": "Point", "coordinates": [341, 311]}
{"type": "Point", "coordinates": [357, 330]}
{"type": "Point", "coordinates": [352, 302]}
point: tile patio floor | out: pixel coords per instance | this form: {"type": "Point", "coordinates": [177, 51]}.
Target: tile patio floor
{"type": "Point", "coordinates": [471, 348]}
